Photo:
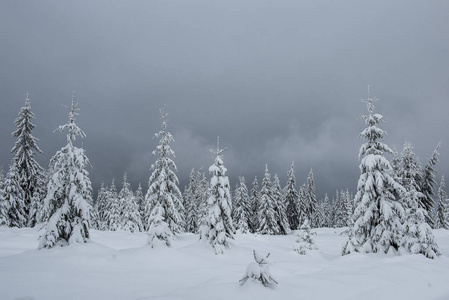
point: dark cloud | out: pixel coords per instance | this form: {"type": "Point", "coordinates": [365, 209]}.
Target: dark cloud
{"type": "Point", "coordinates": [277, 81]}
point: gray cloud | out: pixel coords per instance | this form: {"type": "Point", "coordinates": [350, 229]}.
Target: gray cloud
{"type": "Point", "coordinates": [278, 82]}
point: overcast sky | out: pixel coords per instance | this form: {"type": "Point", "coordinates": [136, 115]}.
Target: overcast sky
{"type": "Point", "coordinates": [278, 81]}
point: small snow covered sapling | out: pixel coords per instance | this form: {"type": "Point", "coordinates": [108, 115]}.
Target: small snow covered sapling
{"type": "Point", "coordinates": [259, 271]}
{"type": "Point", "coordinates": [304, 240]}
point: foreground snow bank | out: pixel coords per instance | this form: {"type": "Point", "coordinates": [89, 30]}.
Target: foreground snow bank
{"type": "Point", "coordinates": [116, 265]}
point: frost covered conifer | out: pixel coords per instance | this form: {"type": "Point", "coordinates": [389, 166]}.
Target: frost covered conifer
{"type": "Point", "coordinates": [279, 206]}
{"type": "Point", "coordinates": [164, 199]}
{"type": "Point", "coordinates": [291, 199]}
{"type": "Point", "coordinates": [191, 205]}
{"type": "Point", "coordinates": [327, 212]}
{"type": "Point", "coordinates": [304, 241]}
{"type": "Point", "coordinates": [303, 203]}
{"type": "Point", "coordinates": [29, 174]}
{"type": "Point", "coordinates": [130, 217]}
{"type": "Point", "coordinates": [14, 200]}
{"type": "Point", "coordinates": [101, 207]}
{"type": "Point", "coordinates": [417, 234]}
{"type": "Point", "coordinates": [113, 208]}
{"type": "Point", "coordinates": [242, 218]}
{"type": "Point", "coordinates": [427, 186]}
{"type": "Point", "coordinates": [442, 215]}
{"type": "Point", "coordinates": [140, 201]}
{"type": "Point", "coordinates": [377, 215]}
{"type": "Point", "coordinates": [267, 214]}
{"type": "Point", "coordinates": [311, 201]}
{"type": "Point", "coordinates": [255, 206]}
{"type": "Point", "coordinates": [259, 271]}
{"type": "Point", "coordinates": [69, 191]}
{"type": "Point", "coordinates": [218, 227]}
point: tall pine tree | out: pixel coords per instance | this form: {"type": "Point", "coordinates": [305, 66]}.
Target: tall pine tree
{"type": "Point", "coordinates": [417, 234]}
{"type": "Point", "coordinates": [243, 207]}
{"type": "Point", "coordinates": [377, 215]}
{"type": "Point", "coordinates": [267, 214]}
{"type": "Point", "coordinates": [218, 228]}
{"type": "Point", "coordinates": [29, 174]}
{"type": "Point", "coordinates": [69, 191]}
{"type": "Point", "coordinates": [442, 219]}
{"type": "Point", "coordinates": [291, 199]}
{"type": "Point", "coordinates": [427, 186]}
{"type": "Point", "coordinates": [164, 197]}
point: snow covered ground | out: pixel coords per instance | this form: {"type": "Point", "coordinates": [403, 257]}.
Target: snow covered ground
{"type": "Point", "coordinates": [116, 265]}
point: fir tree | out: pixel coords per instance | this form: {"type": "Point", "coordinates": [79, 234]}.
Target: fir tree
{"type": "Point", "coordinates": [113, 208]}
{"type": "Point", "coordinates": [291, 199]}
{"type": "Point", "coordinates": [279, 207]}
{"type": "Point", "coordinates": [311, 200]}
{"type": "Point", "coordinates": [190, 203]}
{"type": "Point", "coordinates": [327, 212]}
{"type": "Point", "coordinates": [243, 207]}
{"type": "Point", "coordinates": [255, 206]}
{"type": "Point", "coordinates": [377, 215]}
{"type": "Point", "coordinates": [427, 186]}
{"type": "Point", "coordinates": [303, 204]}
{"type": "Point", "coordinates": [130, 219]}
{"type": "Point", "coordinates": [69, 191]}
{"type": "Point", "coordinates": [267, 215]}
{"type": "Point", "coordinates": [140, 200]}
{"type": "Point", "coordinates": [219, 227]}
{"type": "Point", "coordinates": [14, 200]}
{"type": "Point", "coordinates": [101, 207]}
{"type": "Point", "coordinates": [304, 241]}
{"type": "Point", "coordinates": [443, 207]}
{"type": "Point", "coordinates": [417, 235]}
{"type": "Point", "coordinates": [164, 199]}
{"type": "Point", "coordinates": [30, 175]}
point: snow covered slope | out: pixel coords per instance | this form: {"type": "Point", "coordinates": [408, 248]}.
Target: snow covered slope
{"type": "Point", "coordinates": [117, 265]}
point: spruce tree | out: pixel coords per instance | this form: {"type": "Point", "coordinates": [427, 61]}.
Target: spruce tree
{"type": "Point", "coordinates": [255, 206]}
{"type": "Point", "coordinates": [377, 216]}
{"type": "Point", "coordinates": [218, 228]}
{"type": "Point", "coordinates": [130, 219]}
{"type": "Point", "coordinates": [13, 196]}
{"type": "Point", "coordinates": [30, 175]}
{"type": "Point", "coordinates": [427, 186]}
{"type": "Point", "coordinates": [113, 208]}
{"type": "Point", "coordinates": [69, 191]}
{"type": "Point", "coordinates": [279, 206]}
{"type": "Point", "coordinates": [190, 203]}
{"type": "Point", "coordinates": [304, 241]}
{"type": "Point", "coordinates": [303, 200]}
{"type": "Point", "coordinates": [327, 212]}
{"type": "Point", "coordinates": [267, 214]}
{"type": "Point", "coordinates": [243, 207]}
{"type": "Point", "coordinates": [443, 207]}
{"type": "Point", "coordinates": [140, 200]}
{"type": "Point", "coordinates": [311, 201]}
{"type": "Point", "coordinates": [417, 234]}
{"type": "Point", "coordinates": [291, 199]}
{"type": "Point", "coordinates": [101, 206]}
{"type": "Point", "coordinates": [164, 199]}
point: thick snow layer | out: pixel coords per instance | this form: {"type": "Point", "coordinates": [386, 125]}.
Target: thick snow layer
{"type": "Point", "coordinates": [118, 265]}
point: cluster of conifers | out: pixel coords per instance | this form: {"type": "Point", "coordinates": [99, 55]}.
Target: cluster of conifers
{"type": "Point", "coordinates": [393, 209]}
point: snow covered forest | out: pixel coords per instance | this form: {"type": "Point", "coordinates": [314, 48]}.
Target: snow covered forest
{"type": "Point", "coordinates": [397, 209]}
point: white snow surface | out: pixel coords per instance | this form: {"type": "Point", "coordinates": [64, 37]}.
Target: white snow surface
{"type": "Point", "coordinates": [118, 265]}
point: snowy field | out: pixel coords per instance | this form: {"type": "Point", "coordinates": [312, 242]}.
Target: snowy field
{"type": "Point", "coordinates": [116, 265]}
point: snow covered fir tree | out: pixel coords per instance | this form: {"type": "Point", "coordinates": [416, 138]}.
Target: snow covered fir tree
{"type": "Point", "coordinates": [417, 234]}
{"type": "Point", "coordinates": [218, 227]}
{"type": "Point", "coordinates": [164, 199]}
{"type": "Point", "coordinates": [291, 199]}
{"type": "Point", "coordinates": [304, 242]}
{"type": "Point", "coordinates": [442, 211]}
{"type": "Point", "coordinates": [378, 213]}
{"type": "Point", "coordinates": [28, 173]}
{"type": "Point", "coordinates": [242, 208]}
{"type": "Point", "coordinates": [69, 191]}
{"type": "Point", "coordinates": [130, 219]}
{"type": "Point", "coordinates": [268, 223]}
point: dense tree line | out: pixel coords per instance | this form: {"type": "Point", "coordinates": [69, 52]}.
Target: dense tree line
{"type": "Point", "coordinates": [395, 207]}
